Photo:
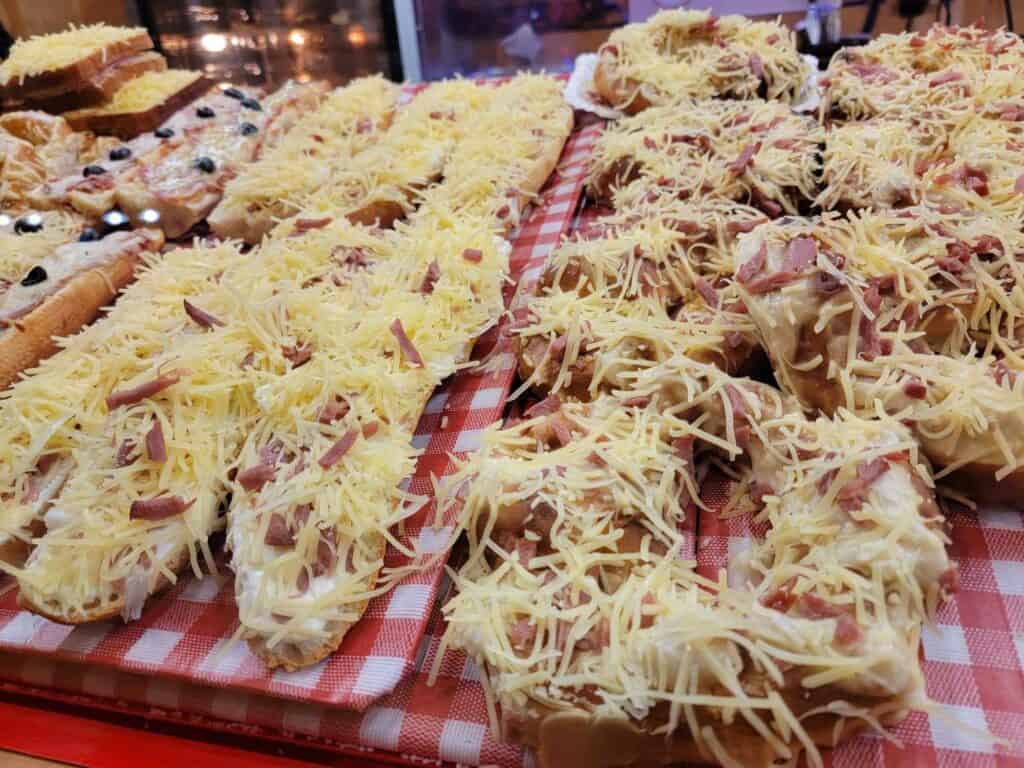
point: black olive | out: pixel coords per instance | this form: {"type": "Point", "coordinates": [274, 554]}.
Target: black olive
{"type": "Point", "coordinates": [234, 93]}
{"type": "Point", "coordinates": [252, 104]}
{"type": "Point", "coordinates": [35, 276]}
{"type": "Point", "coordinates": [204, 112]}
{"type": "Point", "coordinates": [93, 170]}
{"type": "Point", "coordinates": [120, 153]}
{"type": "Point", "coordinates": [163, 133]}
{"type": "Point", "coordinates": [88, 235]}
{"type": "Point", "coordinates": [247, 129]}
{"type": "Point", "coordinates": [28, 224]}
{"type": "Point", "coordinates": [206, 165]}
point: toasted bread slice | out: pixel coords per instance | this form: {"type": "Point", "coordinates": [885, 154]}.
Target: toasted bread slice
{"type": "Point", "coordinates": [106, 83]}
{"type": "Point", "coordinates": [66, 62]}
{"type": "Point", "coordinates": [141, 104]}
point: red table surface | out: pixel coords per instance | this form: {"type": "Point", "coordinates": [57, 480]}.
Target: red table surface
{"type": "Point", "coordinates": [80, 736]}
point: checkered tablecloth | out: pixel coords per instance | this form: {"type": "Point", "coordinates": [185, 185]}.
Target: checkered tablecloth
{"type": "Point", "coordinates": [185, 633]}
{"type": "Point", "coordinates": [972, 657]}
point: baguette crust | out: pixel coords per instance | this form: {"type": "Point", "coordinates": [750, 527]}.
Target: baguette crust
{"type": "Point", "coordinates": [104, 85]}
{"type": "Point", "coordinates": [103, 612]}
{"type": "Point", "coordinates": [128, 125]}
{"type": "Point", "coordinates": [576, 739]}
{"type": "Point", "coordinates": [74, 77]}
{"type": "Point", "coordinates": [290, 656]}
{"type": "Point", "coordinates": [77, 303]}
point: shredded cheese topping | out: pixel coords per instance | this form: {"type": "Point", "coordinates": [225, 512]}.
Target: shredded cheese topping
{"type": "Point", "coordinates": [748, 150]}
{"type": "Point", "coordinates": [678, 54]}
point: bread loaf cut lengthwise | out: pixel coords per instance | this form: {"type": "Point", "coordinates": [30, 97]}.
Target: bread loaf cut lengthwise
{"type": "Point", "coordinates": [306, 564]}
{"type": "Point", "coordinates": [48, 66]}
{"type": "Point", "coordinates": [139, 400]}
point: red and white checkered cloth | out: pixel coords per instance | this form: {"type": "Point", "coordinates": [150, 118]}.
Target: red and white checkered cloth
{"type": "Point", "coordinates": [972, 658]}
{"type": "Point", "coordinates": [185, 633]}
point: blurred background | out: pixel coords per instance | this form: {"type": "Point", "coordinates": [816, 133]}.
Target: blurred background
{"type": "Point", "coordinates": [269, 41]}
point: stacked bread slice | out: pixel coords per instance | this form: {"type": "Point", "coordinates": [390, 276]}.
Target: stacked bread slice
{"type": "Point", "coordinates": [104, 79]}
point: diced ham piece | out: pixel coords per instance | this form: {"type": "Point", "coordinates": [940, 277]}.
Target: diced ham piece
{"type": "Point", "coordinates": [737, 402]}
{"type": "Point", "coordinates": [144, 391]}
{"type": "Point", "coordinates": [707, 292]}
{"type": "Point", "coordinates": [766, 204]}
{"type": "Point", "coordinates": [298, 355]}
{"type": "Point", "coordinates": [125, 454]}
{"type": "Point", "coordinates": [800, 253]}
{"type": "Point", "coordinates": [826, 480]}
{"type": "Point", "coordinates": [745, 159]}
{"type": "Point", "coordinates": [526, 550]}
{"type": "Point", "coordinates": [563, 434]}
{"type": "Point", "coordinates": [430, 278]}
{"type": "Point", "coordinates": [278, 533]}
{"type": "Point", "coordinates": [333, 410]}
{"type": "Point", "coordinates": [870, 343]}
{"type": "Point", "coordinates": [847, 633]}
{"type": "Point", "coordinates": [781, 598]}
{"type": "Point", "coordinates": [1018, 185]}
{"type": "Point", "coordinates": [473, 255]}
{"type": "Point", "coordinates": [303, 225]}
{"type": "Point", "coordinates": [158, 508]}
{"type": "Point", "coordinates": [640, 401]}
{"type": "Point", "coordinates": [853, 495]}
{"type": "Point", "coordinates": [814, 607]}
{"type": "Point", "coordinates": [769, 283]}
{"type": "Point", "coordinates": [545, 407]}
{"type": "Point", "coordinates": [753, 266]}
{"type": "Point", "coordinates": [370, 429]}
{"type": "Point", "coordinates": [326, 552]}
{"type": "Point", "coordinates": [521, 634]}
{"type": "Point", "coordinates": [408, 350]}
{"type": "Point", "coordinates": [339, 449]}
{"type": "Point", "coordinates": [739, 227]}
{"type": "Point", "coordinates": [255, 477]}
{"type": "Point", "coordinates": [757, 66]}
{"type": "Point", "coordinates": [944, 78]}
{"type": "Point", "coordinates": [915, 388]}
{"type": "Point", "coordinates": [201, 317]}
{"type": "Point", "coordinates": [155, 446]}
{"type": "Point", "coordinates": [1003, 374]}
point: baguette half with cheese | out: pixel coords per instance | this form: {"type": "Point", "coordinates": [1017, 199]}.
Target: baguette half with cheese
{"type": "Point", "coordinates": [679, 54]}
{"type": "Point", "coordinates": [146, 400]}
{"type": "Point", "coordinates": [318, 483]}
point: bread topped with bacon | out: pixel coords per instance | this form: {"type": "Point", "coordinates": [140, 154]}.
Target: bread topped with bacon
{"type": "Point", "coordinates": [682, 54]}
